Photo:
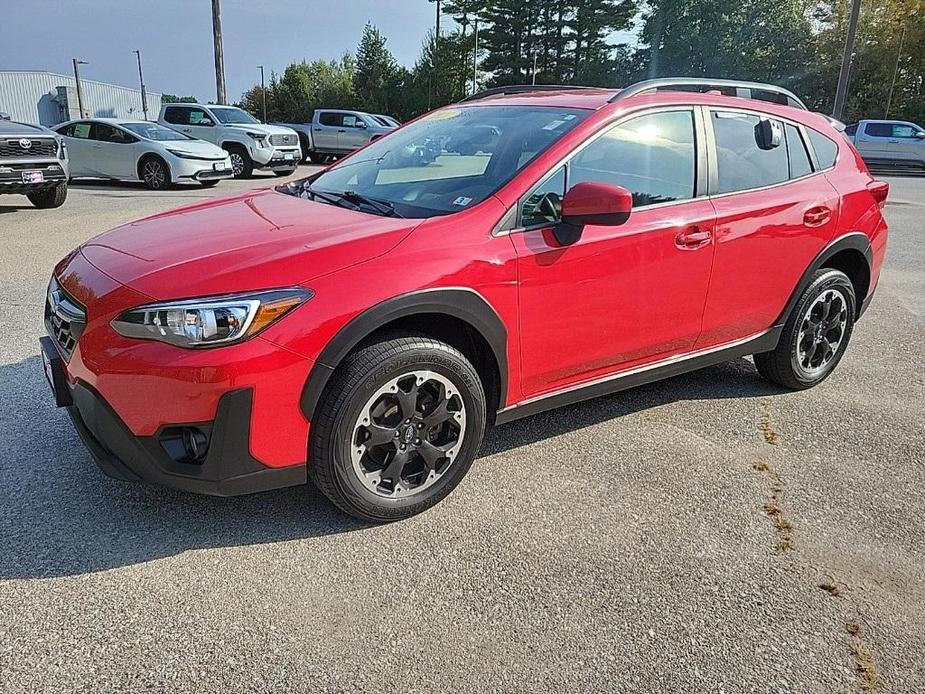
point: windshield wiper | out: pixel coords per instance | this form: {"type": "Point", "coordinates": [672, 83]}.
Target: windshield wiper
{"type": "Point", "coordinates": [320, 195]}
{"type": "Point", "coordinates": [382, 206]}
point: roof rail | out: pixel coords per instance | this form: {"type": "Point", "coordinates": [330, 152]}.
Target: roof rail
{"type": "Point", "coordinates": [522, 89]}
{"type": "Point", "coordinates": [742, 89]}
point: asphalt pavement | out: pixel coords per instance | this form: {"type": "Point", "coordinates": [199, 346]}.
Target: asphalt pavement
{"type": "Point", "coordinates": [709, 533]}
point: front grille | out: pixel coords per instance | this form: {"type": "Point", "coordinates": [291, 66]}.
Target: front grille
{"type": "Point", "coordinates": [65, 318]}
{"type": "Point", "coordinates": [34, 148]}
{"type": "Point", "coordinates": [284, 140]}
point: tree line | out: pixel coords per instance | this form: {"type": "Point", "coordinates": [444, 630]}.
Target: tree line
{"type": "Point", "coordinates": [792, 43]}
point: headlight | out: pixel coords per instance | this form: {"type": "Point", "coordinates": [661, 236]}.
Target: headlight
{"type": "Point", "coordinates": [260, 139]}
{"type": "Point", "coordinates": [183, 155]}
{"type": "Point", "coordinates": [209, 322]}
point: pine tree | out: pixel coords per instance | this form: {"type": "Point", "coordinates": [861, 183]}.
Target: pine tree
{"type": "Point", "coordinates": [376, 72]}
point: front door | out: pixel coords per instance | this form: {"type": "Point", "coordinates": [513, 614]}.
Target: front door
{"type": "Point", "coordinates": [353, 133]}
{"type": "Point", "coordinates": [620, 296]}
{"type": "Point", "coordinates": [192, 121]}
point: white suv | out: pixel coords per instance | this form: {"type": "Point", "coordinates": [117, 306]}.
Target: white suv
{"type": "Point", "coordinates": [250, 143]}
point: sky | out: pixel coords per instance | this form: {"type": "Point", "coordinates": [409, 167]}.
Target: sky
{"type": "Point", "coordinates": [175, 37]}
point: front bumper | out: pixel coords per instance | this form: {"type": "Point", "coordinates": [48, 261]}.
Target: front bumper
{"type": "Point", "coordinates": [275, 158]}
{"type": "Point", "coordinates": [225, 468]}
{"type": "Point", "coordinates": [11, 176]}
{"type": "Point", "coordinates": [200, 169]}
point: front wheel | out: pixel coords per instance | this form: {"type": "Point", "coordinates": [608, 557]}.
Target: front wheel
{"type": "Point", "coordinates": [155, 174]}
{"type": "Point", "coordinates": [815, 335]}
{"type": "Point", "coordinates": [241, 163]}
{"type": "Point", "coordinates": [209, 183]}
{"type": "Point", "coordinates": [397, 428]}
{"type": "Point", "coordinates": [49, 198]}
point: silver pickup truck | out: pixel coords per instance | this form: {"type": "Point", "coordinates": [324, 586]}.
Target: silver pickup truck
{"type": "Point", "coordinates": [335, 132]}
{"type": "Point", "coordinates": [889, 142]}
{"type": "Point", "coordinates": [33, 162]}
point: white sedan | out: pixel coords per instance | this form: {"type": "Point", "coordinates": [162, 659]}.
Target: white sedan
{"type": "Point", "coordinates": [138, 150]}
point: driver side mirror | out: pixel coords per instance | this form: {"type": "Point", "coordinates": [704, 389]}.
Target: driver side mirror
{"type": "Point", "coordinates": [361, 124]}
{"type": "Point", "coordinates": [920, 134]}
{"type": "Point", "coordinates": [601, 204]}
{"type": "Point", "coordinates": [205, 121]}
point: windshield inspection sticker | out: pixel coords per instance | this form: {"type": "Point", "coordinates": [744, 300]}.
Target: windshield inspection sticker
{"type": "Point", "coordinates": [462, 201]}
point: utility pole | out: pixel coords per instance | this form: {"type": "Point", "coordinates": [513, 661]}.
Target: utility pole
{"type": "Point", "coordinates": [434, 58]}
{"type": "Point", "coordinates": [80, 90]}
{"type": "Point", "coordinates": [889, 98]}
{"type": "Point", "coordinates": [263, 94]}
{"type": "Point", "coordinates": [141, 78]}
{"type": "Point", "coordinates": [533, 82]}
{"type": "Point", "coordinates": [841, 90]}
{"type": "Point", "coordinates": [475, 59]}
{"type": "Point", "coordinates": [219, 54]}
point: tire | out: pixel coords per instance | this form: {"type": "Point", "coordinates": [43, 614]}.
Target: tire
{"type": "Point", "coordinates": [154, 172]}
{"type": "Point", "coordinates": [49, 198]}
{"type": "Point", "coordinates": [366, 391]}
{"type": "Point", "coordinates": [815, 335]}
{"type": "Point", "coordinates": [210, 183]}
{"type": "Point", "coordinates": [316, 157]}
{"type": "Point", "coordinates": [287, 172]}
{"type": "Point", "coordinates": [241, 162]}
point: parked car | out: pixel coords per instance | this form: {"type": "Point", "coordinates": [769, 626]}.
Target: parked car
{"type": "Point", "coordinates": [334, 133]}
{"type": "Point", "coordinates": [4, 115]}
{"type": "Point", "coordinates": [889, 142]}
{"type": "Point", "coordinates": [363, 326]}
{"type": "Point", "coordinates": [250, 143]}
{"type": "Point", "coordinates": [139, 150]}
{"type": "Point", "coordinates": [34, 163]}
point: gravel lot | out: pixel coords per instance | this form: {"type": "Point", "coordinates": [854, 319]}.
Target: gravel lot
{"type": "Point", "coordinates": [617, 545]}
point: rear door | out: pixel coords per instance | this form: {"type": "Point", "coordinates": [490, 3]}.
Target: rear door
{"type": "Point", "coordinates": [774, 213]}
{"type": "Point", "coordinates": [80, 148]}
{"type": "Point", "coordinates": [324, 130]}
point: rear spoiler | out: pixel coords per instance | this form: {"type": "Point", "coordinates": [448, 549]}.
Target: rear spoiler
{"type": "Point", "coordinates": [835, 123]}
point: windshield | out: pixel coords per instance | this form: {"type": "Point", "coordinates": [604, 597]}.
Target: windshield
{"type": "Point", "coordinates": [450, 159]}
{"type": "Point", "coordinates": [232, 115]}
{"type": "Point", "coordinates": [153, 131]}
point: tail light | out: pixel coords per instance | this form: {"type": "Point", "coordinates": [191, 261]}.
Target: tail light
{"type": "Point", "coordinates": [880, 190]}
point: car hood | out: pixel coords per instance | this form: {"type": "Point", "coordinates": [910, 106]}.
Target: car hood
{"type": "Point", "coordinates": [199, 148]}
{"type": "Point", "coordinates": [261, 239]}
{"type": "Point", "coordinates": [262, 128]}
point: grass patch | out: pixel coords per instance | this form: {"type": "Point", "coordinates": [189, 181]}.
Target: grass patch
{"type": "Point", "coordinates": [864, 665]}
{"type": "Point", "coordinates": [767, 430]}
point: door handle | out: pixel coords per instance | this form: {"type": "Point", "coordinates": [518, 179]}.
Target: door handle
{"type": "Point", "coordinates": [693, 238]}
{"type": "Point", "coordinates": [894, 142]}
{"type": "Point", "coordinates": [342, 131]}
{"type": "Point", "coordinates": [817, 216]}
{"type": "Point", "coordinates": [186, 130]}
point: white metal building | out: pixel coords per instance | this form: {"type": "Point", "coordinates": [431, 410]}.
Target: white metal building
{"type": "Point", "coordinates": [48, 98]}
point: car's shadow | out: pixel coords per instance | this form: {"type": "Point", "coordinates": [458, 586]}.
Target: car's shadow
{"type": "Point", "coordinates": [61, 516]}
{"type": "Point", "coordinates": [136, 188]}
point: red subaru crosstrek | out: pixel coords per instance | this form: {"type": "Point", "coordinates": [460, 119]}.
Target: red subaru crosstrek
{"type": "Point", "coordinates": [518, 251]}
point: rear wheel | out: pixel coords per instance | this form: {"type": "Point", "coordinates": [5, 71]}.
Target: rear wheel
{"type": "Point", "coordinates": [50, 197]}
{"type": "Point", "coordinates": [154, 173]}
{"type": "Point", "coordinates": [316, 157]}
{"type": "Point", "coordinates": [397, 428]}
{"type": "Point", "coordinates": [815, 335]}
{"type": "Point", "coordinates": [241, 163]}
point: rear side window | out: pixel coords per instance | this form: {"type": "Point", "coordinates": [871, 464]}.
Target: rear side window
{"type": "Point", "coordinates": [851, 129]}
{"type": "Point", "coordinates": [653, 156]}
{"type": "Point", "coordinates": [796, 150]}
{"type": "Point", "coordinates": [78, 130]}
{"type": "Point", "coordinates": [878, 129]}
{"type": "Point", "coordinates": [826, 150]}
{"type": "Point", "coordinates": [176, 115]}
{"type": "Point", "coordinates": [741, 163]}
{"type": "Point", "coordinates": [332, 119]}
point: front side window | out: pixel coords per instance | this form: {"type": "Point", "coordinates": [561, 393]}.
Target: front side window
{"type": "Point", "coordinates": [423, 169]}
{"type": "Point", "coordinates": [905, 131]}
{"type": "Point", "coordinates": [153, 131]}
{"type": "Point", "coordinates": [742, 164]}
{"type": "Point", "coordinates": [543, 204]}
{"type": "Point", "coordinates": [653, 156]}
{"type": "Point", "coordinates": [350, 120]}
{"type": "Point", "coordinates": [108, 133]}
{"type": "Point", "coordinates": [228, 115]}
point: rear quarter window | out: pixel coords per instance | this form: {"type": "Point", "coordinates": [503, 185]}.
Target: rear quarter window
{"type": "Point", "coordinates": [826, 149]}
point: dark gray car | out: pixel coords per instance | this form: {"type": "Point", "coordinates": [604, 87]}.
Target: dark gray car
{"type": "Point", "coordinates": [33, 162]}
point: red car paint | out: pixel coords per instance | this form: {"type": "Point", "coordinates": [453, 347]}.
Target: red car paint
{"type": "Point", "coordinates": [671, 280]}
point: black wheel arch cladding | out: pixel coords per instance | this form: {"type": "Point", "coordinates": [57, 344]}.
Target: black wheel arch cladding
{"type": "Point", "coordinates": [459, 302]}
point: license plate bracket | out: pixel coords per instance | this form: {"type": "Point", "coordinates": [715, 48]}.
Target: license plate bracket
{"type": "Point", "coordinates": [33, 177]}
{"type": "Point", "coordinates": [53, 365]}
